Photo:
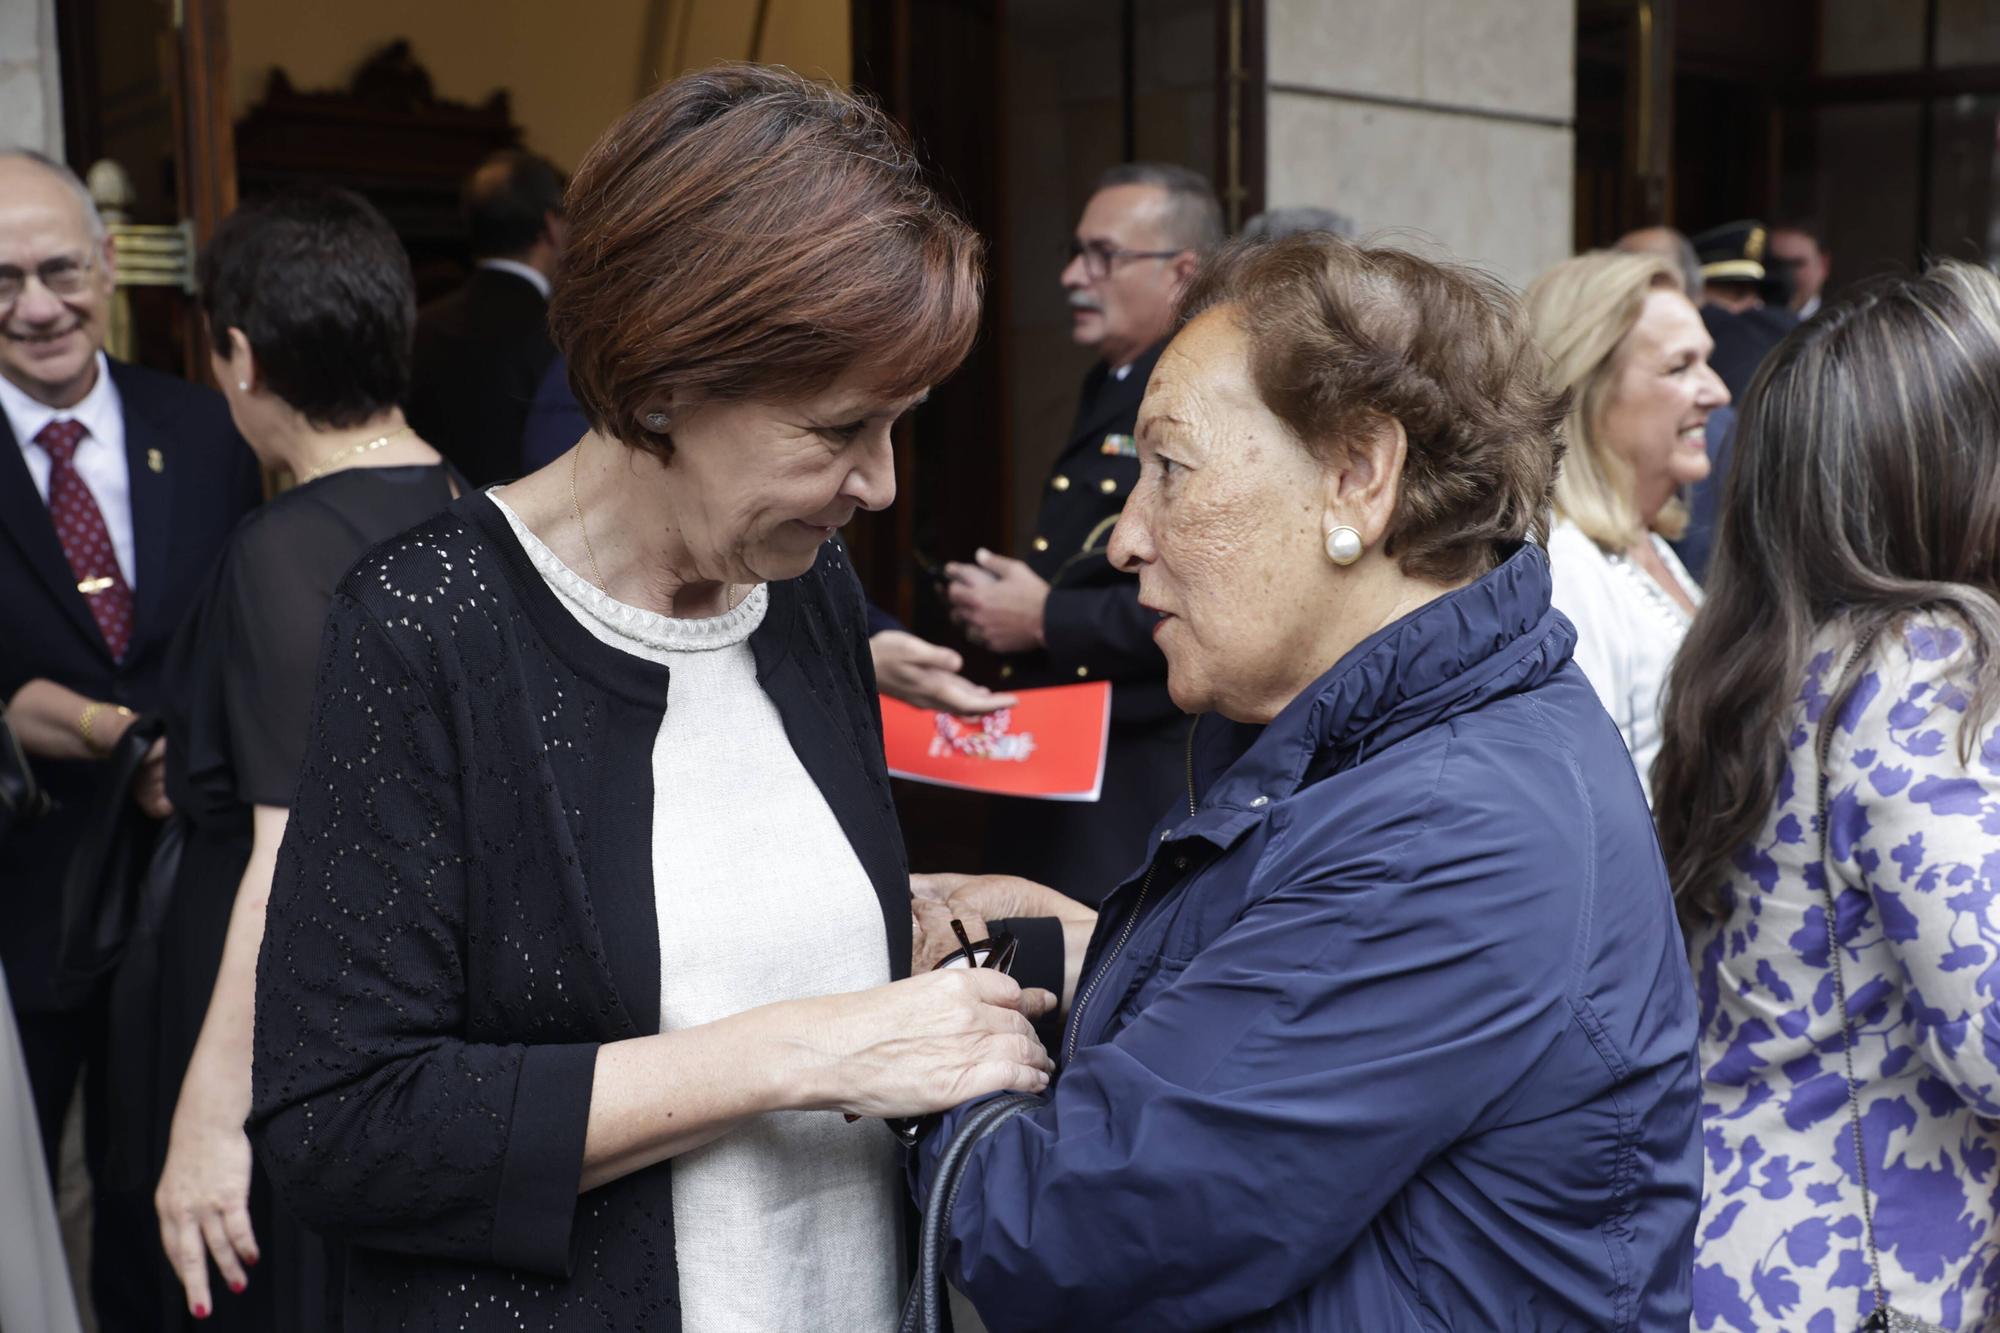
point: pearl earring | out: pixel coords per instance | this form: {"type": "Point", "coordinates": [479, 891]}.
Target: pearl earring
{"type": "Point", "coordinates": [657, 421]}
{"type": "Point", "coordinates": [243, 385]}
{"type": "Point", "coordinates": [1343, 545]}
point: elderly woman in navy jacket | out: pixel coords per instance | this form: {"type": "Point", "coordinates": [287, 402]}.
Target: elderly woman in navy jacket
{"type": "Point", "coordinates": [1394, 1029]}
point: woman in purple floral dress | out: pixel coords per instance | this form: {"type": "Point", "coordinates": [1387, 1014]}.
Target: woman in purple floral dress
{"type": "Point", "coordinates": [1853, 586]}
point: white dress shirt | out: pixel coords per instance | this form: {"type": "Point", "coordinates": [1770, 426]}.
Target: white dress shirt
{"type": "Point", "coordinates": [100, 456]}
{"type": "Point", "coordinates": [1627, 632]}
{"type": "Point", "coordinates": [527, 273]}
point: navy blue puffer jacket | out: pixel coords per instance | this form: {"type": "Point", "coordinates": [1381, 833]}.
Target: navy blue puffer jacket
{"type": "Point", "coordinates": [1395, 1030]}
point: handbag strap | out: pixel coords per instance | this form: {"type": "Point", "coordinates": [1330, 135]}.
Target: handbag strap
{"type": "Point", "coordinates": [923, 1308]}
{"type": "Point", "coordinates": [21, 796]}
{"type": "Point", "coordinates": [1835, 700]}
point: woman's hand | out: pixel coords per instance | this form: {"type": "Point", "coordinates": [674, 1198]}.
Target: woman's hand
{"type": "Point", "coordinates": [1003, 897]}
{"type": "Point", "coordinates": [203, 1200]}
{"type": "Point", "coordinates": [921, 1045]}
{"type": "Point", "coordinates": [926, 675]}
{"type": "Point", "coordinates": [932, 939]}
{"type": "Point", "coordinates": [997, 897]}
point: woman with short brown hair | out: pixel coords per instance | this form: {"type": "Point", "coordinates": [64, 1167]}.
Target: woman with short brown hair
{"type": "Point", "coordinates": [561, 983]}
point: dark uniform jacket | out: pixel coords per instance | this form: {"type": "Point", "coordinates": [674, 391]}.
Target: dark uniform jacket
{"type": "Point", "coordinates": [1093, 624]}
{"type": "Point", "coordinates": [1095, 629]}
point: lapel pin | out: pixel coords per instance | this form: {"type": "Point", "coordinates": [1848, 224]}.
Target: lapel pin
{"type": "Point", "coordinates": [154, 461]}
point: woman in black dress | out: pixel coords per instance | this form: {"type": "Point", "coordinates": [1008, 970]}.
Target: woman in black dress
{"type": "Point", "coordinates": [310, 308]}
{"type": "Point", "coordinates": [593, 912]}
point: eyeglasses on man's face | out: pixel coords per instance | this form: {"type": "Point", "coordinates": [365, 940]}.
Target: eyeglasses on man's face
{"type": "Point", "coordinates": [65, 276]}
{"type": "Point", "coordinates": [1100, 257]}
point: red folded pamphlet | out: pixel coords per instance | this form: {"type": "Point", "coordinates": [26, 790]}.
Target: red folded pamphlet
{"type": "Point", "coordinates": [1050, 746]}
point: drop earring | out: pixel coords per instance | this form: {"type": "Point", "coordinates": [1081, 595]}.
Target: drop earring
{"type": "Point", "coordinates": [1343, 545]}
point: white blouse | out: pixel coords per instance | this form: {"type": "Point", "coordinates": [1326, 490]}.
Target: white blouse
{"type": "Point", "coordinates": [792, 1219]}
{"type": "Point", "coordinates": [1627, 632]}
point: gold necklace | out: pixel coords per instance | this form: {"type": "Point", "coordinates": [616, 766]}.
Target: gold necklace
{"type": "Point", "coordinates": [575, 457]}
{"type": "Point", "coordinates": [367, 447]}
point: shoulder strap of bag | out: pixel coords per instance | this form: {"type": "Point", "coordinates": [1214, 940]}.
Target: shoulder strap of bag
{"type": "Point", "coordinates": [1883, 1317]}
{"type": "Point", "coordinates": [923, 1308]}
{"type": "Point", "coordinates": [99, 893]}
{"type": "Point", "coordinates": [21, 796]}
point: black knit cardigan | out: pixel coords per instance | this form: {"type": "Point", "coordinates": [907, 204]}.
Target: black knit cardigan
{"type": "Point", "coordinates": [464, 910]}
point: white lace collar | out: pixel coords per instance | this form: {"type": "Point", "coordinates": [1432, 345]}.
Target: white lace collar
{"type": "Point", "coordinates": [636, 624]}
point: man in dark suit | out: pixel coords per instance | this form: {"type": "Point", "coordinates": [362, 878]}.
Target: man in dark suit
{"type": "Point", "coordinates": [118, 487]}
{"type": "Point", "coordinates": [481, 352]}
{"type": "Point", "coordinates": [1064, 614]}
{"type": "Point", "coordinates": [1744, 301]}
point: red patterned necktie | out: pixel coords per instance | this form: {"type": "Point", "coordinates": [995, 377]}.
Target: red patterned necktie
{"type": "Point", "coordinates": [85, 540]}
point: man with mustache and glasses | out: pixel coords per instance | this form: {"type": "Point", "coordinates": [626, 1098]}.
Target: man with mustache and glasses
{"type": "Point", "coordinates": [117, 488]}
{"type": "Point", "coordinates": [1064, 615]}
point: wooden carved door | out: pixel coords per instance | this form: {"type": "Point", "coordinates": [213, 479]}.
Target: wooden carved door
{"type": "Point", "coordinates": [146, 122]}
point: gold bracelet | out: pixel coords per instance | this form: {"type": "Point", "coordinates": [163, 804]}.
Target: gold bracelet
{"type": "Point", "coordinates": [89, 716]}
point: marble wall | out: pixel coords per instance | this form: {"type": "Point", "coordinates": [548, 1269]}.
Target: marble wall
{"type": "Point", "coordinates": [30, 88]}
{"type": "Point", "coordinates": [1446, 122]}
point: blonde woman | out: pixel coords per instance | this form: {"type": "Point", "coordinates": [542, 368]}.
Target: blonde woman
{"type": "Point", "coordinates": [1623, 338]}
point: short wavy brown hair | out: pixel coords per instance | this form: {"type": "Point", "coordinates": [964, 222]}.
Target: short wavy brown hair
{"type": "Point", "coordinates": [744, 233]}
{"type": "Point", "coordinates": [1342, 334]}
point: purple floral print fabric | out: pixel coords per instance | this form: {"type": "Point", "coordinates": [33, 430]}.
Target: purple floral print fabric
{"type": "Point", "coordinates": [1914, 851]}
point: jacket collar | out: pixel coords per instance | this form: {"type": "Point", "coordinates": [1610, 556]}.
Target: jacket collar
{"type": "Point", "coordinates": [1496, 636]}
{"type": "Point", "coordinates": [1106, 401]}
{"type": "Point", "coordinates": [527, 273]}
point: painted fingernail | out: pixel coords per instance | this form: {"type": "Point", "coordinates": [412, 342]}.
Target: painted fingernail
{"type": "Point", "coordinates": [250, 1259]}
{"type": "Point", "coordinates": [236, 1287]}
{"type": "Point", "coordinates": [201, 1312]}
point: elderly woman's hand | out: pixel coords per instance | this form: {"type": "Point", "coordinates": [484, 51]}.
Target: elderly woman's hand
{"type": "Point", "coordinates": [932, 939]}
{"type": "Point", "coordinates": [925, 1044]}
{"type": "Point", "coordinates": [1003, 897]}
{"type": "Point", "coordinates": [996, 897]}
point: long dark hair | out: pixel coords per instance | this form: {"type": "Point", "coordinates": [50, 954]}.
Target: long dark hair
{"type": "Point", "coordinates": [1865, 485]}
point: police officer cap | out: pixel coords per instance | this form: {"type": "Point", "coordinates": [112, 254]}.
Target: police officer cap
{"type": "Point", "coordinates": [1736, 252]}
{"type": "Point", "coordinates": [1733, 253]}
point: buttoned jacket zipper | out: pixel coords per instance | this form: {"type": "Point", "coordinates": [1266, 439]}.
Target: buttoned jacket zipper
{"type": "Point", "coordinates": [1138, 906]}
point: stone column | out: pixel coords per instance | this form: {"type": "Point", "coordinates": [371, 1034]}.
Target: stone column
{"type": "Point", "coordinates": [1449, 119]}
{"type": "Point", "coordinates": [30, 86]}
